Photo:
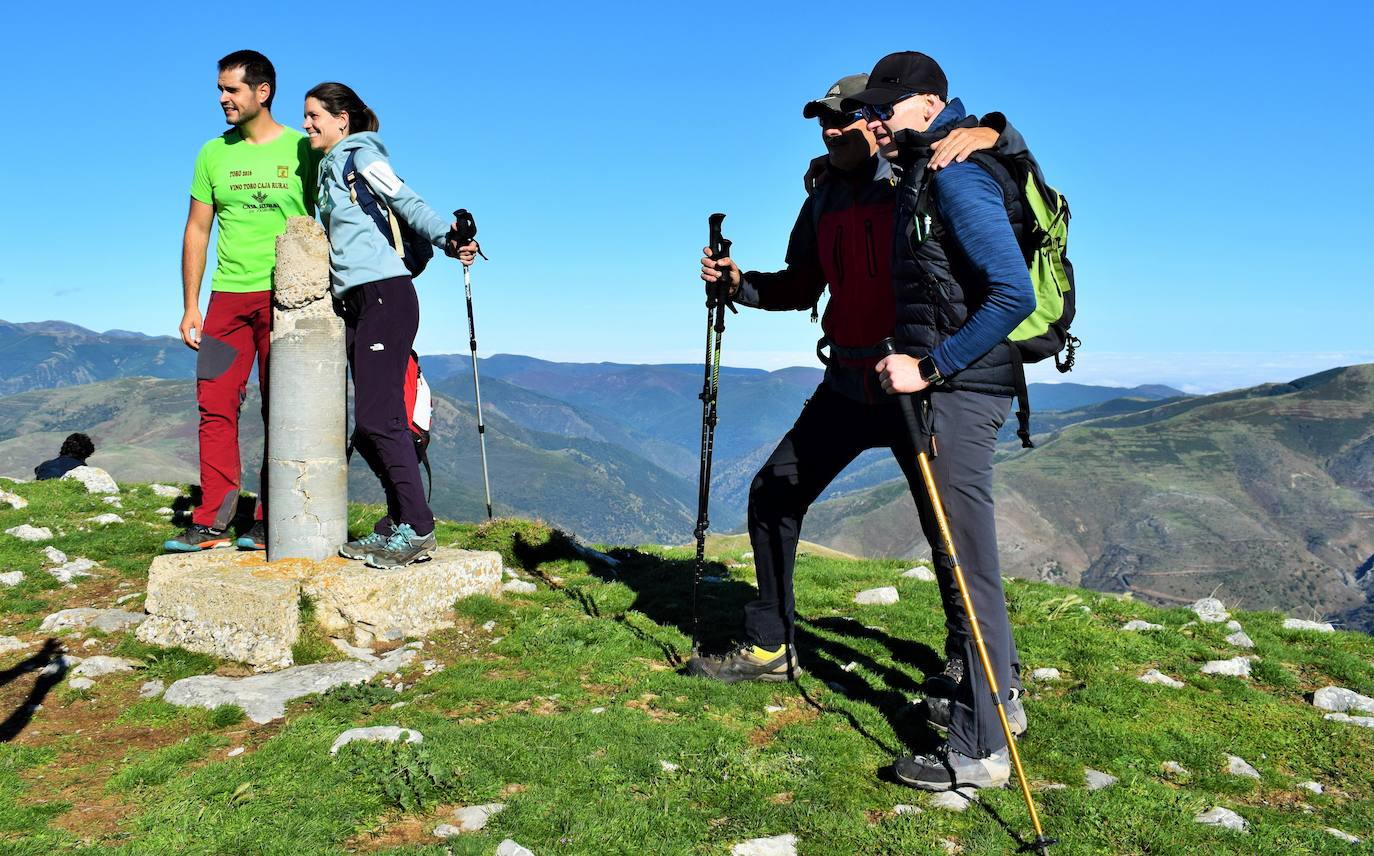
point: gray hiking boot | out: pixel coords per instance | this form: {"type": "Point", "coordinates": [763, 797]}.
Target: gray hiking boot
{"type": "Point", "coordinates": [939, 710]}
{"type": "Point", "coordinates": [945, 769]}
{"type": "Point", "coordinates": [360, 547]}
{"type": "Point", "coordinates": [402, 548]}
{"type": "Point", "coordinates": [746, 663]}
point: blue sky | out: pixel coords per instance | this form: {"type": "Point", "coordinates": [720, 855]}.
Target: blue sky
{"type": "Point", "coordinates": [1213, 155]}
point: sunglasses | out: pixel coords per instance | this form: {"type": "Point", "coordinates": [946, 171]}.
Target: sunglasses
{"type": "Point", "coordinates": [834, 120]}
{"type": "Point", "coordinates": [883, 112]}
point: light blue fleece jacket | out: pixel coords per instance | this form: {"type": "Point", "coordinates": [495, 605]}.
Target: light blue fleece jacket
{"type": "Point", "coordinates": [358, 251]}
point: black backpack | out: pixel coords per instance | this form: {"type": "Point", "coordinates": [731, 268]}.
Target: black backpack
{"type": "Point", "coordinates": [414, 250]}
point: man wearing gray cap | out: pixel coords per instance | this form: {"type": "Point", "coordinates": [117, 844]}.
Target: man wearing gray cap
{"type": "Point", "coordinates": [841, 239]}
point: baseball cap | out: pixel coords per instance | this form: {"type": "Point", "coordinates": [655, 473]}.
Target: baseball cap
{"type": "Point", "coordinates": [896, 75]}
{"type": "Point", "coordinates": [843, 88]}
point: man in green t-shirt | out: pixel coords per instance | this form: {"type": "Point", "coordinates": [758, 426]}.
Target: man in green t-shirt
{"type": "Point", "coordinates": [252, 177]}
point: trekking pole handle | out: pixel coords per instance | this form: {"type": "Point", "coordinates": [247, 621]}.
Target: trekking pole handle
{"type": "Point", "coordinates": [720, 249]}
{"type": "Point", "coordinates": [888, 347]}
{"type": "Point", "coordinates": [466, 229]}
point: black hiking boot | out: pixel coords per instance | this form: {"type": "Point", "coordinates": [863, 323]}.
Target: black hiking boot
{"type": "Point", "coordinates": [939, 710]}
{"type": "Point", "coordinates": [945, 769]}
{"type": "Point", "coordinates": [747, 663]}
{"type": "Point", "coordinates": [402, 548]}
{"type": "Point", "coordinates": [197, 538]}
{"type": "Point", "coordinates": [255, 538]}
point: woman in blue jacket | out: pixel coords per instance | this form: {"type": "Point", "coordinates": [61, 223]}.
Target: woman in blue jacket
{"type": "Point", "coordinates": [381, 310]}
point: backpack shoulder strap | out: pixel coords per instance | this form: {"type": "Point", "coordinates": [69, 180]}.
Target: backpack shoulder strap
{"type": "Point", "coordinates": [360, 192]}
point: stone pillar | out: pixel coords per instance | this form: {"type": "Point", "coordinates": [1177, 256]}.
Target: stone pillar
{"type": "Point", "coordinates": [307, 473]}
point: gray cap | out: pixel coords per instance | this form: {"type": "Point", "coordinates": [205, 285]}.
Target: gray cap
{"type": "Point", "coordinates": [844, 87]}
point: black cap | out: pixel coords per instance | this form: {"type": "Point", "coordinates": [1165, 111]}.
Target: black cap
{"type": "Point", "coordinates": [897, 75]}
{"type": "Point", "coordinates": [843, 88]}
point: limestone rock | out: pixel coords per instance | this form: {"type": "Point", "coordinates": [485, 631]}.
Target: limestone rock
{"type": "Point", "coordinates": [1233, 625]}
{"type": "Point", "coordinates": [1237, 667]}
{"type": "Point", "coordinates": [1342, 700]}
{"type": "Point", "coordinates": [25, 532]}
{"type": "Point", "coordinates": [446, 830]}
{"type": "Point", "coordinates": [107, 519]}
{"type": "Point", "coordinates": [508, 847]}
{"type": "Point", "coordinates": [1046, 674]}
{"type": "Point", "coordinates": [1097, 780]}
{"type": "Point", "coordinates": [1174, 768]}
{"type": "Point", "coordinates": [668, 766]}
{"type": "Point", "coordinates": [882, 596]}
{"type": "Point", "coordinates": [903, 808]}
{"type": "Point", "coordinates": [1155, 676]}
{"type": "Point", "coordinates": [1314, 787]}
{"type": "Point", "coordinates": [165, 490]}
{"type": "Point", "coordinates": [1209, 610]}
{"type": "Point", "coordinates": [13, 500]}
{"type": "Point", "coordinates": [376, 734]}
{"type": "Point", "coordinates": [474, 817]}
{"type": "Point", "coordinates": [78, 567]}
{"type": "Point", "coordinates": [1240, 639]}
{"type": "Point", "coordinates": [1238, 766]}
{"type": "Point", "coordinates": [12, 643]}
{"type": "Point", "coordinates": [54, 555]}
{"type": "Point", "coordinates": [778, 845]}
{"type": "Point", "coordinates": [100, 665]}
{"type": "Point", "coordinates": [95, 479]}
{"type": "Point", "coordinates": [151, 689]}
{"type": "Point", "coordinates": [920, 573]}
{"type": "Point", "coordinates": [1222, 817]}
{"type": "Point", "coordinates": [1300, 624]}
{"type": "Point", "coordinates": [264, 697]}
{"type": "Point", "coordinates": [956, 800]}
{"type": "Point", "coordinates": [1343, 836]}
{"type": "Point", "coordinates": [10, 579]}
{"type": "Point", "coordinates": [1136, 624]}
{"type": "Point", "coordinates": [519, 587]}
{"type": "Point", "coordinates": [81, 617]}
{"type": "Point", "coordinates": [81, 683]}
{"type": "Point", "coordinates": [112, 501]}
{"type": "Point", "coordinates": [1365, 721]}
{"type": "Point", "coordinates": [302, 273]}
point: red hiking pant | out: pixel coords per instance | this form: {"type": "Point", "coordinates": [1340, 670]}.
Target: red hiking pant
{"type": "Point", "coordinates": [237, 329]}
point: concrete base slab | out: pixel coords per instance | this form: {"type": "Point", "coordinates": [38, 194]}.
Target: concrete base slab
{"type": "Point", "coordinates": [237, 606]}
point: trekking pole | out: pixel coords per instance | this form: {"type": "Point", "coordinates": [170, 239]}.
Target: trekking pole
{"type": "Point", "coordinates": [717, 298]}
{"type": "Point", "coordinates": [1041, 842]}
{"type": "Point", "coordinates": [467, 231]}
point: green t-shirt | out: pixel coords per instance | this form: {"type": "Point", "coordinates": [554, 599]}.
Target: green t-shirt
{"type": "Point", "coordinates": [253, 189]}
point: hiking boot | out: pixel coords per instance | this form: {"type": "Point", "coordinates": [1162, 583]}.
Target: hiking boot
{"type": "Point", "coordinates": [939, 710]}
{"type": "Point", "coordinates": [360, 547]}
{"type": "Point", "coordinates": [945, 769]}
{"type": "Point", "coordinates": [197, 538]}
{"type": "Point", "coordinates": [255, 538]}
{"type": "Point", "coordinates": [747, 662]}
{"type": "Point", "coordinates": [402, 548]}
{"type": "Point", "coordinates": [945, 684]}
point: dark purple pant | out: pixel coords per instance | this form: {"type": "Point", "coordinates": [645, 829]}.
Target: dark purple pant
{"type": "Point", "coordinates": [381, 322]}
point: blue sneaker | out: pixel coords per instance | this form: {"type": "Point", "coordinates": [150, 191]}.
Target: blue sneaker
{"type": "Point", "coordinates": [197, 538]}
{"type": "Point", "coordinates": [253, 539]}
{"type": "Point", "coordinates": [402, 548]}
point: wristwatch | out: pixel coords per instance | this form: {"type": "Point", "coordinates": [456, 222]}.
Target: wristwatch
{"type": "Point", "coordinates": [929, 373]}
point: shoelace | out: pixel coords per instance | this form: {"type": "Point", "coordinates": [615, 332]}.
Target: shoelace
{"type": "Point", "coordinates": [400, 537]}
{"type": "Point", "coordinates": [372, 539]}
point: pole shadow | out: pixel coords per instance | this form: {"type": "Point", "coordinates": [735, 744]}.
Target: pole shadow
{"type": "Point", "coordinates": [49, 655]}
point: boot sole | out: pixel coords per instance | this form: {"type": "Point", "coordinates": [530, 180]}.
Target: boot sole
{"type": "Point", "coordinates": [181, 547]}
{"type": "Point", "coordinates": [415, 560]}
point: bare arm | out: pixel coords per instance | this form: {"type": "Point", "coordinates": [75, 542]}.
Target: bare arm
{"type": "Point", "coordinates": [194, 244]}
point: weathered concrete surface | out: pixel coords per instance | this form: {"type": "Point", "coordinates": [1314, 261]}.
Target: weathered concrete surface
{"type": "Point", "coordinates": [238, 606]}
{"type": "Point", "coordinates": [390, 605]}
{"type": "Point", "coordinates": [232, 605]}
{"type": "Point", "coordinates": [307, 472]}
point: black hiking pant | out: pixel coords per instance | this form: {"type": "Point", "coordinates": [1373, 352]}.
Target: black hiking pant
{"type": "Point", "coordinates": [832, 431]}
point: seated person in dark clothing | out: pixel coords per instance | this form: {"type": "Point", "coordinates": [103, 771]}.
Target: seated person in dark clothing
{"type": "Point", "coordinates": [75, 450]}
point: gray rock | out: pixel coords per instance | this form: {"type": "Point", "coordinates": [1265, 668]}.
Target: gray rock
{"type": "Point", "coordinates": [519, 587]}
{"type": "Point", "coordinates": [510, 848]}
{"type": "Point", "coordinates": [1314, 787]}
{"type": "Point", "coordinates": [364, 654]}
{"type": "Point", "coordinates": [920, 573]}
{"type": "Point", "coordinates": [13, 500]}
{"type": "Point", "coordinates": [81, 617]}
{"type": "Point", "coordinates": [235, 752]}
{"type": "Point", "coordinates": [778, 845]}
{"type": "Point", "coordinates": [1233, 626]}
{"type": "Point", "coordinates": [1136, 624]}
{"type": "Point", "coordinates": [95, 479]}
{"type": "Point", "coordinates": [882, 596]}
{"type": "Point", "coordinates": [1240, 639]}
{"type": "Point", "coordinates": [12, 643]}
{"type": "Point", "coordinates": [264, 697]}
{"type": "Point", "coordinates": [446, 830]}
{"type": "Point", "coordinates": [1237, 766]}
{"type": "Point", "coordinates": [60, 665]}
{"type": "Point", "coordinates": [1097, 780]}
{"type": "Point", "coordinates": [376, 734]}
{"type": "Point", "coordinates": [1174, 768]}
{"type": "Point", "coordinates": [54, 555]}
{"type": "Point", "coordinates": [1365, 721]}
{"type": "Point", "coordinates": [100, 666]}
{"type": "Point", "coordinates": [165, 490]}
{"type": "Point", "coordinates": [954, 800]}
{"type": "Point", "coordinates": [1237, 667]}
{"type": "Point", "coordinates": [125, 598]}
{"type": "Point", "coordinates": [1222, 817]}
{"type": "Point", "coordinates": [474, 817]}
{"type": "Point", "coordinates": [1344, 836]}
{"type": "Point", "coordinates": [107, 519]}
{"type": "Point", "coordinates": [81, 683]}
{"type": "Point", "coordinates": [1209, 610]}
{"type": "Point", "coordinates": [1300, 624]}
{"type": "Point", "coordinates": [10, 579]}
{"type": "Point", "coordinates": [1342, 700]}
{"type": "Point", "coordinates": [25, 532]}
{"type": "Point", "coordinates": [903, 808]}
{"type": "Point", "coordinates": [78, 567]}
{"type": "Point", "coordinates": [1155, 676]}
{"type": "Point", "coordinates": [151, 689]}
{"type": "Point", "coordinates": [1045, 674]}
{"type": "Point", "coordinates": [112, 501]}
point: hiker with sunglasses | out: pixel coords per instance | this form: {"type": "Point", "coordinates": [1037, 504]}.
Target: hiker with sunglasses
{"type": "Point", "coordinates": [381, 309]}
{"type": "Point", "coordinates": [842, 239]}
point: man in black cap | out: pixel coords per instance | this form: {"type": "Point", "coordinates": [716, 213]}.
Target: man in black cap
{"type": "Point", "coordinates": [962, 286]}
{"type": "Point", "coordinates": [841, 239]}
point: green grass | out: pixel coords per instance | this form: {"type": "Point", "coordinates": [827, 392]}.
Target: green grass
{"type": "Point", "coordinates": [572, 703]}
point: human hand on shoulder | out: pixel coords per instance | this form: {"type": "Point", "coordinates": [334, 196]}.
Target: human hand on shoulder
{"type": "Point", "coordinates": [959, 144]}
